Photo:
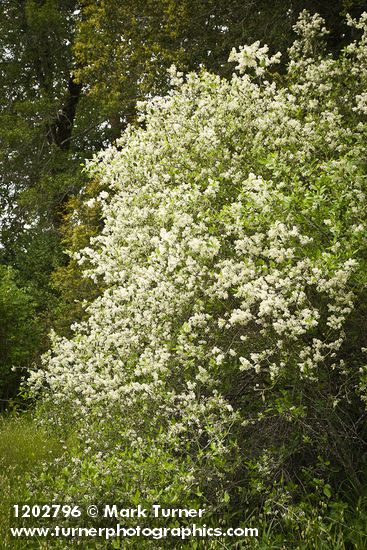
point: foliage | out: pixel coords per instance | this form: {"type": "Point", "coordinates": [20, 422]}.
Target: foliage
{"type": "Point", "coordinates": [79, 225]}
{"type": "Point", "coordinates": [19, 335]}
{"type": "Point", "coordinates": [24, 447]}
{"type": "Point", "coordinates": [223, 362]}
{"type": "Point", "coordinates": [36, 57]}
{"type": "Point", "coordinates": [38, 167]}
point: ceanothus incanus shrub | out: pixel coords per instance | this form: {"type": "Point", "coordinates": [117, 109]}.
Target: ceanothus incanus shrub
{"type": "Point", "coordinates": [225, 356]}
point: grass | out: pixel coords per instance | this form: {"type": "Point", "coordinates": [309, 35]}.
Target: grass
{"type": "Point", "coordinates": [24, 446]}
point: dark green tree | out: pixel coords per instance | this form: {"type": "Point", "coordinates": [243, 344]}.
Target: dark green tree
{"type": "Point", "coordinates": [19, 333]}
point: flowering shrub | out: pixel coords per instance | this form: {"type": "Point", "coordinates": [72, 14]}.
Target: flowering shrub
{"type": "Point", "coordinates": [224, 357]}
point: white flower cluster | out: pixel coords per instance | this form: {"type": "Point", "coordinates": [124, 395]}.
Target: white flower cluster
{"type": "Point", "coordinates": [229, 254]}
{"type": "Point", "coordinates": [253, 57]}
{"type": "Point", "coordinates": [311, 31]}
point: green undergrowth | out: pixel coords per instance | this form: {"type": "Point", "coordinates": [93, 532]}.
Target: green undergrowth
{"type": "Point", "coordinates": [24, 448]}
